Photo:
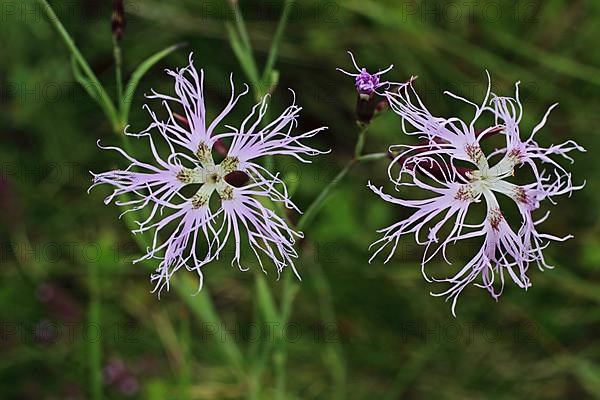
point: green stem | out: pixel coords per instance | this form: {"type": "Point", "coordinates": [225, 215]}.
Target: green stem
{"type": "Point", "coordinates": [290, 288]}
{"type": "Point", "coordinates": [360, 143]}
{"type": "Point", "coordinates": [243, 50]}
{"type": "Point", "coordinates": [276, 319]}
{"type": "Point", "coordinates": [274, 50]}
{"type": "Point", "coordinates": [338, 366]}
{"type": "Point", "coordinates": [319, 202]}
{"type": "Point", "coordinates": [202, 306]}
{"type": "Point", "coordinates": [104, 100]}
{"type": "Point", "coordinates": [241, 25]}
{"type": "Point", "coordinates": [94, 333]}
{"type": "Point", "coordinates": [372, 157]}
{"type": "Point", "coordinates": [118, 70]}
{"type": "Point", "coordinates": [268, 311]}
{"type": "Point", "coordinates": [185, 378]}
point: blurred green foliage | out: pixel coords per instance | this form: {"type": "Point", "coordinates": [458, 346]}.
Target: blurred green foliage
{"type": "Point", "coordinates": [393, 338]}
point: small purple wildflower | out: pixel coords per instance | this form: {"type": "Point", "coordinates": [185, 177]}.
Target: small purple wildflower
{"type": "Point", "coordinates": [367, 83]}
{"type": "Point", "coordinates": [432, 166]}
{"type": "Point", "coordinates": [193, 231]}
{"type": "Point", "coordinates": [370, 100]}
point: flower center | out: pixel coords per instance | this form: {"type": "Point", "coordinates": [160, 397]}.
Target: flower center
{"type": "Point", "coordinates": [222, 178]}
{"type": "Point", "coordinates": [213, 178]}
{"type": "Point", "coordinates": [366, 83]}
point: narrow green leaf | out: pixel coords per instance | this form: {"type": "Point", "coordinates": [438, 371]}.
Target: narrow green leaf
{"type": "Point", "coordinates": [265, 299]}
{"type": "Point", "coordinates": [558, 63]}
{"type": "Point", "coordinates": [202, 306]}
{"type": "Point", "coordinates": [274, 80]}
{"type": "Point", "coordinates": [94, 329]}
{"type": "Point", "coordinates": [322, 198]}
{"type": "Point", "coordinates": [274, 50]}
{"type": "Point", "coordinates": [245, 59]}
{"type": "Point", "coordinates": [83, 81]}
{"type": "Point", "coordinates": [588, 375]}
{"type": "Point", "coordinates": [241, 25]}
{"type": "Point", "coordinates": [103, 99]}
{"type": "Point", "coordinates": [137, 76]}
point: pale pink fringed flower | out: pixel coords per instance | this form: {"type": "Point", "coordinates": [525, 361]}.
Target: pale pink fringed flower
{"type": "Point", "coordinates": [191, 230]}
{"type": "Point", "coordinates": [450, 164]}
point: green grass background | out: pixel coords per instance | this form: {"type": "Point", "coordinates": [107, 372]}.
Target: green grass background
{"type": "Point", "coordinates": [393, 339]}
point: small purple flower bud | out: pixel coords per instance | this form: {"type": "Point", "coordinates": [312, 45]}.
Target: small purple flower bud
{"type": "Point", "coordinates": [366, 84]}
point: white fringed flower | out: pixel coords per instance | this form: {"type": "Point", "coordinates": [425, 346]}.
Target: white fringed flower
{"type": "Point", "coordinates": [450, 164]}
{"type": "Point", "coordinates": [190, 231]}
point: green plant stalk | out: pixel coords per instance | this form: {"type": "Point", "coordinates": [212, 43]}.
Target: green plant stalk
{"type": "Point", "coordinates": [319, 202]}
{"type": "Point", "coordinates": [94, 336]}
{"type": "Point", "coordinates": [372, 157]}
{"type": "Point", "coordinates": [320, 281]}
{"type": "Point", "coordinates": [256, 357]}
{"type": "Point", "coordinates": [274, 50]}
{"type": "Point", "coordinates": [185, 378]}
{"type": "Point", "coordinates": [201, 305]}
{"type": "Point", "coordinates": [241, 25]}
{"type": "Point", "coordinates": [118, 69]}
{"type": "Point", "coordinates": [104, 100]}
{"type": "Point", "coordinates": [268, 311]}
{"type": "Point", "coordinates": [273, 318]}
{"type": "Point", "coordinates": [321, 284]}
{"type": "Point", "coordinates": [242, 48]}
{"type": "Point", "coordinates": [362, 137]}
{"type": "Point", "coordinates": [323, 290]}
{"type": "Point", "coordinates": [277, 318]}
{"type": "Point", "coordinates": [338, 366]}
{"type": "Point", "coordinates": [265, 299]}
{"type": "Point", "coordinates": [136, 77]}
{"type": "Point", "coordinates": [290, 288]}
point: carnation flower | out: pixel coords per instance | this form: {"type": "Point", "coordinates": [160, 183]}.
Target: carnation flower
{"type": "Point", "coordinates": [450, 164]}
{"type": "Point", "coordinates": [229, 196]}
